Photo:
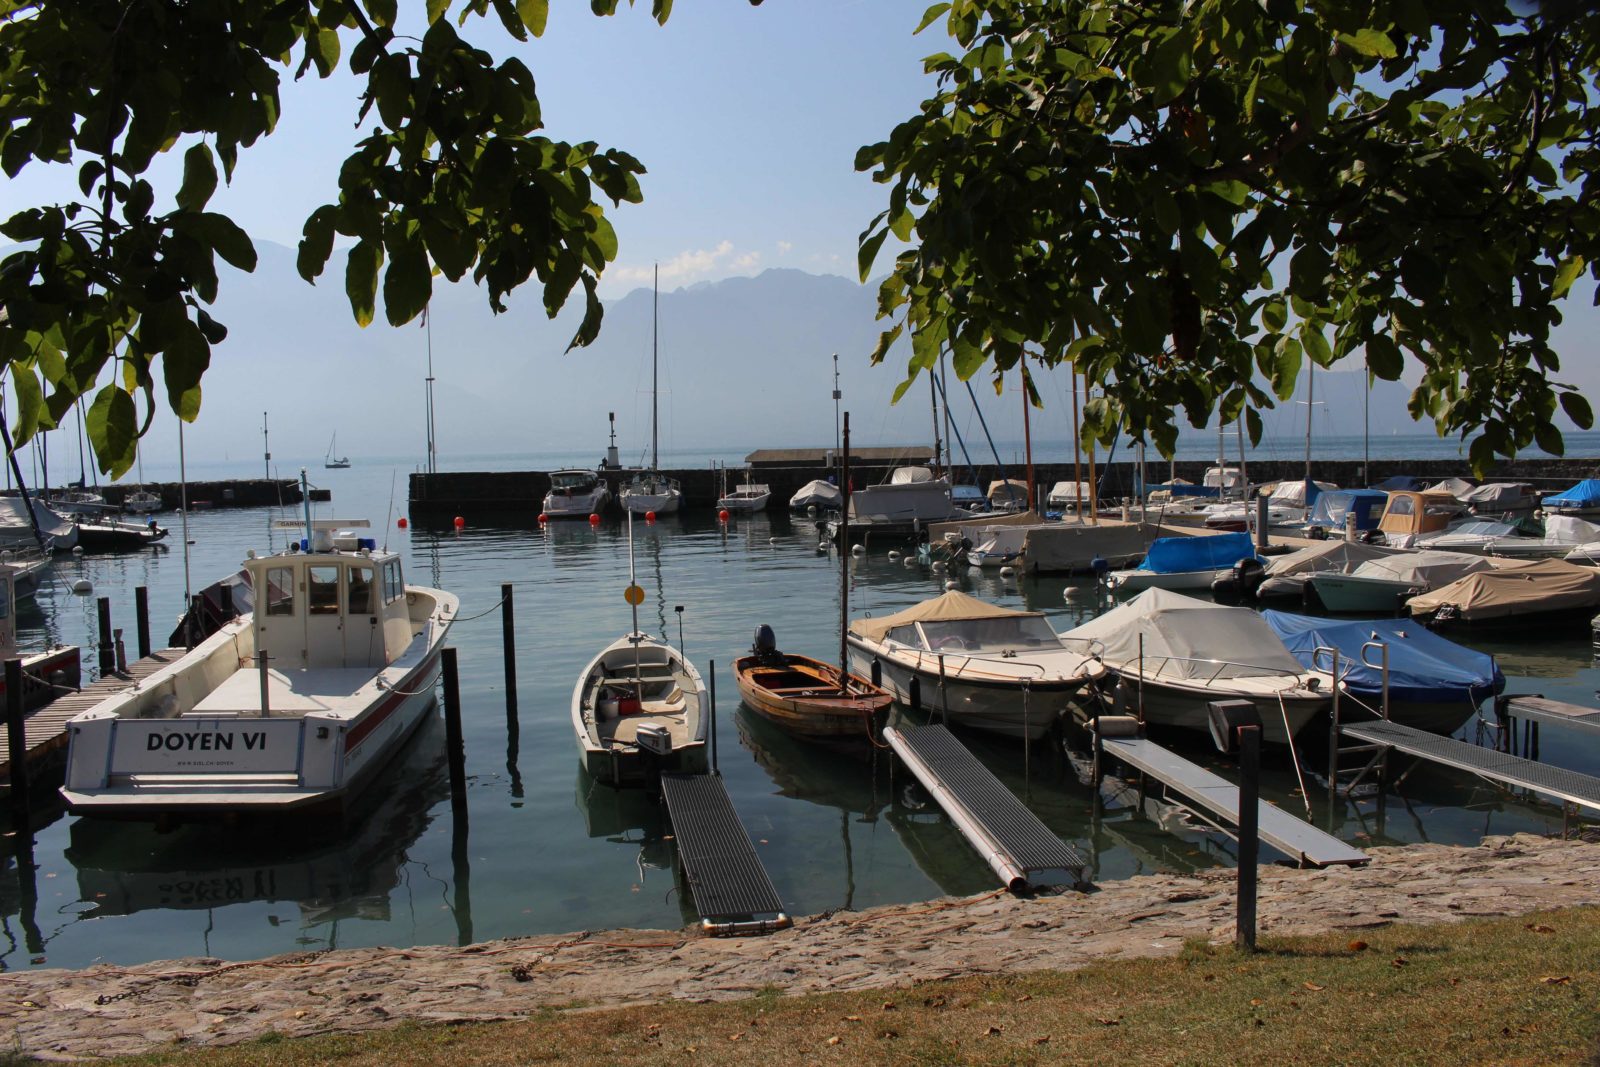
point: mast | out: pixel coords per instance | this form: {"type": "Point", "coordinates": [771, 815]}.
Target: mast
{"type": "Point", "coordinates": [844, 562]}
{"type": "Point", "coordinates": [266, 452]}
{"type": "Point", "coordinates": [944, 390]}
{"type": "Point", "coordinates": [655, 367]}
{"type": "Point", "coordinates": [836, 396]}
{"type": "Point", "coordinates": [1077, 450]}
{"type": "Point", "coordinates": [1027, 433]}
{"type": "Point", "coordinates": [433, 466]}
{"type": "Point", "coordinates": [22, 488]}
{"type": "Point", "coordinates": [1311, 400]}
{"type": "Point", "coordinates": [933, 395]}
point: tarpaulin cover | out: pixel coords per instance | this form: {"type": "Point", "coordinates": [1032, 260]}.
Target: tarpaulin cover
{"type": "Point", "coordinates": [1516, 587]}
{"type": "Point", "coordinates": [1299, 494]}
{"type": "Point", "coordinates": [1174, 555]}
{"type": "Point", "coordinates": [1332, 506]}
{"type": "Point", "coordinates": [1199, 635]}
{"type": "Point", "coordinates": [1499, 496]}
{"type": "Point", "coordinates": [1426, 570]}
{"type": "Point", "coordinates": [1336, 555]}
{"type": "Point", "coordinates": [1399, 482]}
{"type": "Point", "coordinates": [951, 605]}
{"type": "Point", "coordinates": [1586, 494]}
{"type": "Point", "coordinates": [1422, 665]}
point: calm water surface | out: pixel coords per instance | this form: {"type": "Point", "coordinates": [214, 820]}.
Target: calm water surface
{"type": "Point", "coordinates": [548, 851]}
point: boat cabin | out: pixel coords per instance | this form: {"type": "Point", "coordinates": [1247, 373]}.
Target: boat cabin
{"type": "Point", "coordinates": [1410, 515]}
{"type": "Point", "coordinates": [573, 483]}
{"type": "Point", "coordinates": [342, 604]}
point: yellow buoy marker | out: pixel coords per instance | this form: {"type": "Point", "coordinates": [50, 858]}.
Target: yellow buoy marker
{"type": "Point", "coordinates": [634, 595]}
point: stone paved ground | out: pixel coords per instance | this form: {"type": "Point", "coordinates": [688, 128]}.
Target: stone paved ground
{"type": "Point", "coordinates": [107, 1010]}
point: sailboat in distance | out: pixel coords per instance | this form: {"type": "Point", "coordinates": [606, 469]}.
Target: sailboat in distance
{"type": "Point", "coordinates": [331, 461]}
{"type": "Point", "coordinates": [650, 491]}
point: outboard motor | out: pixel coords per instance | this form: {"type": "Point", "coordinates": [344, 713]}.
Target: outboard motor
{"type": "Point", "coordinates": [1241, 581]}
{"type": "Point", "coordinates": [765, 646]}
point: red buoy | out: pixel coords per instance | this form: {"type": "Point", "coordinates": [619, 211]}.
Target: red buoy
{"type": "Point", "coordinates": [543, 518]}
{"type": "Point", "coordinates": [594, 520]}
{"type": "Point", "coordinates": [402, 523]}
{"type": "Point", "coordinates": [460, 522]}
{"type": "Point", "coordinates": [650, 516]}
{"type": "Point", "coordinates": [722, 516]}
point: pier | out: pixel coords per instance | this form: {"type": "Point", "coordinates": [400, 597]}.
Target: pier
{"type": "Point", "coordinates": [1012, 840]}
{"type": "Point", "coordinates": [1295, 838]}
{"type": "Point", "coordinates": [1573, 788]}
{"type": "Point", "coordinates": [731, 889]}
{"type": "Point", "coordinates": [47, 725]}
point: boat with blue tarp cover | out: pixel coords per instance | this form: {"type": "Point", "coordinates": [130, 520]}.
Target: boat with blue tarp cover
{"type": "Point", "coordinates": [1332, 508]}
{"type": "Point", "coordinates": [1184, 562]}
{"type": "Point", "coordinates": [1434, 683]}
{"type": "Point", "coordinates": [1581, 499]}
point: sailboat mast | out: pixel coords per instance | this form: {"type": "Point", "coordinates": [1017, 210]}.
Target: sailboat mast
{"type": "Point", "coordinates": [933, 395]}
{"type": "Point", "coordinates": [1027, 435]}
{"type": "Point", "coordinates": [1311, 400]}
{"type": "Point", "coordinates": [655, 367]}
{"type": "Point", "coordinates": [1077, 452]}
{"type": "Point", "coordinates": [844, 560]}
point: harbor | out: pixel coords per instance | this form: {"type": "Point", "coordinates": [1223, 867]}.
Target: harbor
{"type": "Point", "coordinates": [544, 848]}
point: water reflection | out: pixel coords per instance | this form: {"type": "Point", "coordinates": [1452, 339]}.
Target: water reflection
{"type": "Point", "coordinates": [123, 869]}
{"type": "Point", "coordinates": [635, 819]}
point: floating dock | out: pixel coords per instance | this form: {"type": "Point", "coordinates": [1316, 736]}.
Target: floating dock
{"type": "Point", "coordinates": [1570, 787]}
{"type": "Point", "coordinates": [1537, 709]}
{"type": "Point", "coordinates": [731, 889]}
{"type": "Point", "coordinates": [1295, 838]}
{"type": "Point", "coordinates": [1009, 837]}
{"type": "Point", "coordinates": [47, 726]}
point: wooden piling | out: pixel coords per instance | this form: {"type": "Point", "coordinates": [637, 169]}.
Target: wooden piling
{"type": "Point", "coordinates": [141, 612]}
{"type": "Point", "coordinates": [17, 740]}
{"type": "Point", "coordinates": [455, 748]}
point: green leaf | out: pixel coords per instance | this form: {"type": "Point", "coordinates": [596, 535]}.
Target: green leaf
{"type": "Point", "coordinates": [1370, 42]}
{"type": "Point", "coordinates": [1384, 358]}
{"type": "Point", "coordinates": [534, 15]}
{"type": "Point", "coordinates": [1316, 344]}
{"type": "Point", "coordinates": [30, 402]}
{"type": "Point", "coordinates": [316, 242]}
{"type": "Point", "coordinates": [929, 16]}
{"type": "Point", "coordinates": [1285, 367]}
{"type": "Point", "coordinates": [1274, 316]}
{"type": "Point", "coordinates": [113, 427]}
{"type": "Point", "coordinates": [199, 178]}
{"type": "Point", "coordinates": [1548, 438]}
{"type": "Point", "coordinates": [1577, 409]}
{"type": "Point", "coordinates": [869, 251]}
{"type": "Point", "coordinates": [185, 361]}
{"type": "Point", "coordinates": [229, 241]}
{"type": "Point", "coordinates": [1566, 274]}
{"type": "Point", "coordinates": [361, 279]}
{"type": "Point", "coordinates": [407, 284]}
{"type": "Point", "coordinates": [1169, 66]}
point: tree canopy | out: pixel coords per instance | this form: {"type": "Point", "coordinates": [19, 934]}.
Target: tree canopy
{"type": "Point", "coordinates": [1185, 199]}
{"type": "Point", "coordinates": [449, 174]}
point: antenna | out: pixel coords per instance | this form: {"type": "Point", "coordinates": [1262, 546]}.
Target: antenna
{"type": "Point", "coordinates": [266, 449]}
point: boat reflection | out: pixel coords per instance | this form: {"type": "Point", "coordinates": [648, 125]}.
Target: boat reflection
{"type": "Point", "coordinates": [127, 868]}
{"type": "Point", "coordinates": [636, 819]}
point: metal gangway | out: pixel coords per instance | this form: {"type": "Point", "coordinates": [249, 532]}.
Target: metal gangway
{"type": "Point", "coordinates": [1533, 710]}
{"type": "Point", "coordinates": [1012, 840]}
{"type": "Point", "coordinates": [1295, 838]}
{"type": "Point", "coordinates": [731, 889]}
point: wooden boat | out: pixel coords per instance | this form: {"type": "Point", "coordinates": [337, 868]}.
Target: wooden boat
{"type": "Point", "coordinates": [348, 657]}
{"type": "Point", "coordinates": [805, 696]}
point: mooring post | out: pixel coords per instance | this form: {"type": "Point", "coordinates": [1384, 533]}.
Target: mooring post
{"type": "Point", "coordinates": [17, 740]}
{"type": "Point", "coordinates": [712, 725]}
{"type": "Point", "coordinates": [121, 652]}
{"type": "Point", "coordinates": [455, 748]}
{"type": "Point", "coordinates": [914, 694]}
{"type": "Point", "coordinates": [1249, 834]}
{"type": "Point", "coordinates": [141, 612]}
{"type": "Point", "coordinates": [191, 621]}
{"type": "Point", "coordinates": [508, 641]}
{"type": "Point", "coordinates": [107, 662]}
{"type": "Point", "coordinates": [877, 671]}
{"type": "Point", "coordinates": [225, 600]}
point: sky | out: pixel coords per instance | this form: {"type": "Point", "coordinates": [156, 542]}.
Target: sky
{"type": "Point", "coordinates": [747, 120]}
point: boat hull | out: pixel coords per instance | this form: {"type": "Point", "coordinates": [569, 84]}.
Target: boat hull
{"type": "Point", "coordinates": [1126, 583]}
{"type": "Point", "coordinates": [1348, 594]}
{"type": "Point", "coordinates": [802, 698]}
{"type": "Point", "coordinates": [576, 507]}
{"type": "Point", "coordinates": [1186, 707]}
{"type": "Point", "coordinates": [993, 706]}
{"type": "Point", "coordinates": [607, 739]}
{"type": "Point", "coordinates": [645, 503]}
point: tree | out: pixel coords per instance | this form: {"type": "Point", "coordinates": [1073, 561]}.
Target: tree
{"type": "Point", "coordinates": [450, 175]}
{"type": "Point", "coordinates": [1183, 198]}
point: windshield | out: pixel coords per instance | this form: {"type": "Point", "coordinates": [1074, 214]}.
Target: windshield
{"type": "Point", "coordinates": [1009, 634]}
{"type": "Point", "coordinates": [571, 479]}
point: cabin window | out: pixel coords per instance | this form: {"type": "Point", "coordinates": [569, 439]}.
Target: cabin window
{"type": "Point", "coordinates": [394, 586]}
{"type": "Point", "coordinates": [905, 635]}
{"type": "Point", "coordinates": [360, 591]}
{"type": "Point", "coordinates": [280, 591]}
{"type": "Point", "coordinates": [322, 590]}
{"type": "Point", "coordinates": [1401, 505]}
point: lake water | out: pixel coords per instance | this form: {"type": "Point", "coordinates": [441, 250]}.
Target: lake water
{"type": "Point", "coordinates": [548, 851]}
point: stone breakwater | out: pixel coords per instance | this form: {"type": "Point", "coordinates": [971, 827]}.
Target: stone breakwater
{"type": "Point", "coordinates": [108, 1010]}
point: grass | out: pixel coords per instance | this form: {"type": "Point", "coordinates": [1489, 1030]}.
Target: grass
{"type": "Point", "coordinates": [1522, 990]}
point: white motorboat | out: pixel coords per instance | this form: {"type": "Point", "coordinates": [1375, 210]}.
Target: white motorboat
{"type": "Point", "coordinates": [639, 707]}
{"type": "Point", "coordinates": [649, 492]}
{"type": "Point", "coordinates": [54, 531]}
{"type": "Point", "coordinates": [1564, 535]}
{"type": "Point", "coordinates": [819, 494]}
{"type": "Point", "coordinates": [1289, 574]}
{"type": "Point", "coordinates": [1476, 536]}
{"type": "Point", "coordinates": [291, 708]}
{"type": "Point", "coordinates": [1067, 496]}
{"type": "Point", "coordinates": [1174, 654]}
{"type": "Point", "coordinates": [1380, 585]}
{"type": "Point", "coordinates": [142, 502]}
{"type": "Point", "coordinates": [911, 499]}
{"type": "Point", "coordinates": [977, 664]}
{"type": "Point", "coordinates": [751, 496]}
{"type": "Point", "coordinates": [1184, 562]}
{"type": "Point", "coordinates": [576, 494]}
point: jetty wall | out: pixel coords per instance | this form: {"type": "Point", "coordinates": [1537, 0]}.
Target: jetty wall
{"type": "Point", "coordinates": [232, 493]}
{"type": "Point", "coordinates": [467, 493]}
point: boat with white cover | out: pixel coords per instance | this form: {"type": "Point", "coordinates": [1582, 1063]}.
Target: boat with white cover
{"type": "Point", "coordinates": [576, 494]}
{"type": "Point", "coordinates": [1563, 536]}
{"type": "Point", "coordinates": [751, 496]}
{"type": "Point", "coordinates": [55, 531]}
{"type": "Point", "coordinates": [1288, 575]}
{"type": "Point", "coordinates": [978, 664]}
{"type": "Point", "coordinates": [1174, 654]}
{"type": "Point", "coordinates": [291, 708]}
{"type": "Point", "coordinates": [1378, 586]}
{"type": "Point", "coordinates": [820, 494]}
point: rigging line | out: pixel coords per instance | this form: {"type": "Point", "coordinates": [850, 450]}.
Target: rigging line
{"type": "Point", "coordinates": [956, 432]}
{"type": "Point", "coordinates": [981, 422]}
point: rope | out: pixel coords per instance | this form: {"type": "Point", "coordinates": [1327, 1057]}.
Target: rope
{"type": "Point", "coordinates": [473, 618]}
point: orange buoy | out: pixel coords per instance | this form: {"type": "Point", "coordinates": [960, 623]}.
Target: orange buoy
{"type": "Point", "coordinates": [460, 522]}
{"type": "Point", "coordinates": [722, 516]}
{"type": "Point", "coordinates": [650, 517]}
{"type": "Point", "coordinates": [543, 518]}
{"type": "Point", "coordinates": [594, 520]}
{"type": "Point", "coordinates": [402, 523]}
